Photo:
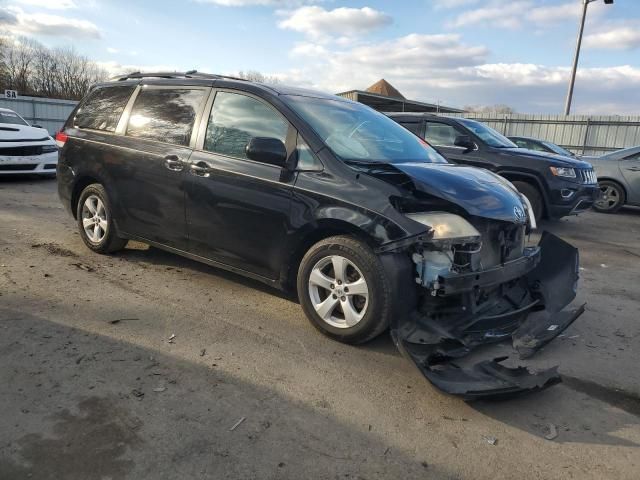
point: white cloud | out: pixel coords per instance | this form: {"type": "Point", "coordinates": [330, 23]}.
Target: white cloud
{"type": "Point", "coordinates": [497, 14]}
{"type": "Point", "coordinates": [447, 4]}
{"type": "Point", "coordinates": [555, 13]}
{"type": "Point", "coordinates": [442, 67]}
{"type": "Point", "coordinates": [17, 22]}
{"type": "Point", "coordinates": [514, 14]}
{"type": "Point", "coordinates": [308, 50]}
{"type": "Point", "coordinates": [112, 50]}
{"type": "Point", "coordinates": [321, 24]}
{"type": "Point", "coordinates": [114, 68]}
{"type": "Point", "coordinates": [50, 4]}
{"type": "Point", "coordinates": [624, 37]}
{"type": "Point", "coordinates": [261, 3]}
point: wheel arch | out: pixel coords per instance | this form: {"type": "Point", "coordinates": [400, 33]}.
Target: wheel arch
{"type": "Point", "coordinates": [533, 180]}
{"type": "Point", "coordinates": [617, 182]}
{"type": "Point", "coordinates": [312, 234]}
{"type": "Point", "coordinates": [80, 184]}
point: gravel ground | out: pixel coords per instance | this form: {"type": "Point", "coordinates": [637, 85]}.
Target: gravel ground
{"type": "Point", "coordinates": [93, 385]}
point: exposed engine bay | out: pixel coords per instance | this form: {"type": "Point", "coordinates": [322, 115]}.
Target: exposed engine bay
{"type": "Point", "coordinates": [519, 301]}
{"type": "Point", "coordinates": [478, 284]}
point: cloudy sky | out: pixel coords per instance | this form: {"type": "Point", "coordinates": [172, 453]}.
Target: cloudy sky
{"type": "Point", "coordinates": [459, 52]}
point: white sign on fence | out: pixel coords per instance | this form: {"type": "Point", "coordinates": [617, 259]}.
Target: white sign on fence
{"type": "Point", "coordinates": [10, 94]}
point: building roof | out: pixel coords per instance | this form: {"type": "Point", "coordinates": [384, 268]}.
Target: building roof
{"type": "Point", "coordinates": [382, 103]}
{"type": "Point", "coordinates": [382, 87]}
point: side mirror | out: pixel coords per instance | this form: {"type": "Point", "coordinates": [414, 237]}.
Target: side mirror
{"type": "Point", "coordinates": [267, 150]}
{"type": "Point", "coordinates": [464, 141]}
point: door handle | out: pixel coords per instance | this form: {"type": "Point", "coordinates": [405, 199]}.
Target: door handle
{"type": "Point", "coordinates": [200, 169]}
{"type": "Point", "coordinates": [173, 163]}
{"type": "Point", "coordinates": [634, 169]}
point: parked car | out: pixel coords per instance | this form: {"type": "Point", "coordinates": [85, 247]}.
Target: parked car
{"type": "Point", "coordinates": [541, 146]}
{"type": "Point", "coordinates": [618, 179]}
{"type": "Point", "coordinates": [25, 148]}
{"type": "Point", "coordinates": [313, 192]}
{"type": "Point", "coordinates": [555, 185]}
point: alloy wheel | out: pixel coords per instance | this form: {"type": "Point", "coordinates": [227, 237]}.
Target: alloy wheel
{"type": "Point", "coordinates": [609, 197]}
{"type": "Point", "coordinates": [94, 219]}
{"type": "Point", "coordinates": [338, 291]}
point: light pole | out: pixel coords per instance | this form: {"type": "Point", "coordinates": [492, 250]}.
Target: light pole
{"type": "Point", "coordinates": [572, 80]}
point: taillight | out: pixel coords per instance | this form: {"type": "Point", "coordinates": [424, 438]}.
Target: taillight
{"type": "Point", "coordinates": [61, 139]}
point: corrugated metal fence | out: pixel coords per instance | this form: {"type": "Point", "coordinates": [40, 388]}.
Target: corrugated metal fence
{"type": "Point", "coordinates": [584, 135]}
{"type": "Point", "coordinates": [49, 113]}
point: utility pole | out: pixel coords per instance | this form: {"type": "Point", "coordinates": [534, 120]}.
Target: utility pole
{"type": "Point", "coordinates": [572, 80]}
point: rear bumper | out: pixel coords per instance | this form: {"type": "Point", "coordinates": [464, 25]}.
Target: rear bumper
{"type": "Point", "coordinates": [526, 311]}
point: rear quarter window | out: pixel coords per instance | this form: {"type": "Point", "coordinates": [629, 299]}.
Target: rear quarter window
{"type": "Point", "coordinates": [102, 108]}
{"type": "Point", "coordinates": [165, 114]}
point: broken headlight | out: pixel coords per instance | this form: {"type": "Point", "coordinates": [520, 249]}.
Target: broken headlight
{"type": "Point", "coordinates": [447, 226]}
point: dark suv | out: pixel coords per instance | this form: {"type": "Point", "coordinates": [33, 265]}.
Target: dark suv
{"type": "Point", "coordinates": [329, 198]}
{"type": "Point", "coordinates": [556, 185]}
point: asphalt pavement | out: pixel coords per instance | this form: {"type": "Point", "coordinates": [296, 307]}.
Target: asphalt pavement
{"type": "Point", "coordinates": [145, 365]}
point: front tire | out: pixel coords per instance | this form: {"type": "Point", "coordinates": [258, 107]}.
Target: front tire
{"type": "Point", "coordinates": [612, 197]}
{"type": "Point", "coordinates": [344, 291]}
{"type": "Point", "coordinates": [95, 221]}
{"type": "Point", "coordinates": [534, 197]}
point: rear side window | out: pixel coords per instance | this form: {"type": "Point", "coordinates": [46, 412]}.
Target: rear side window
{"type": "Point", "coordinates": [102, 108]}
{"type": "Point", "coordinates": [165, 114]}
{"type": "Point", "coordinates": [440, 134]}
{"type": "Point", "coordinates": [235, 119]}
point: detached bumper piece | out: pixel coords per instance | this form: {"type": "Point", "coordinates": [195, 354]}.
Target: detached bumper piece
{"type": "Point", "coordinates": [451, 340]}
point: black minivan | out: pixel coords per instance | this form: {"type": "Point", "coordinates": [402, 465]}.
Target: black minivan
{"type": "Point", "coordinates": [329, 198]}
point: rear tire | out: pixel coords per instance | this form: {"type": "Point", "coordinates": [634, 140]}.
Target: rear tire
{"type": "Point", "coordinates": [95, 221]}
{"type": "Point", "coordinates": [534, 197]}
{"type": "Point", "coordinates": [612, 199]}
{"type": "Point", "coordinates": [344, 291]}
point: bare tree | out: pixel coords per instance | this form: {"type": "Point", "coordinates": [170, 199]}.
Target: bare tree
{"type": "Point", "coordinates": [33, 69]}
{"type": "Point", "coordinates": [255, 76]}
{"type": "Point", "coordinates": [498, 108]}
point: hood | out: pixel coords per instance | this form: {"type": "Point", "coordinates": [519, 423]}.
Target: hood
{"type": "Point", "coordinates": [553, 159]}
{"type": "Point", "coordinates": [10, 132]}
{"type": "Point", "coordinates": [478, 191]}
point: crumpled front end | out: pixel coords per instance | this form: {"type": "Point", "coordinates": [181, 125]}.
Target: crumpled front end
{"type": "Point", "coordinates": [481, 293]}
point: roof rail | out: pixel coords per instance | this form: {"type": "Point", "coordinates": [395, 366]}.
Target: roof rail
{"type": "Point", "coordinates": [187, 74]}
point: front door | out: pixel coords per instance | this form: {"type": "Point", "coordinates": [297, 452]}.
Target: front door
{"type": "Point", "coordinates": [442, 136]}
{"type": "Point", "coordinates": [238, 209]}
{"type": "Point", "coordinates": [150, 171]}
{"type": "Point", "coordinates": [630, 168]}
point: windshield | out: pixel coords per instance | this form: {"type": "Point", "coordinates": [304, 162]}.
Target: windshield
{"type": "Point", "coordinates": [488, 134]}
{"type": "Point", "coordinates": [357, 133]}
{"type": "Point", "coordinates": [11, 118]}
{"type": "Point", "coordinates": [558, 149]}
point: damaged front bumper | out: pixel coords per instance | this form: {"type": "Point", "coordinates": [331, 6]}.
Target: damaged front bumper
{"type": "Point", "coordinates": [521, 301]}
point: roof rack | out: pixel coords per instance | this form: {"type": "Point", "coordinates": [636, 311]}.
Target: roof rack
{"type": "Point", "coordinates": [187, 74]}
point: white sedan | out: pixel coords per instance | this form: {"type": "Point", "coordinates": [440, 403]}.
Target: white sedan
{"type": "Point", "coordinates": [23, 148]}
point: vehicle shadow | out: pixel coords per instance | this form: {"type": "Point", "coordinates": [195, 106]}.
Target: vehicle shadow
{"type": "Point", "coordinates": [26, 178]}
{"type": "Point", "coordinates": [139, 253]}
{"type": "Point", "coordinates": [80, 405]}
